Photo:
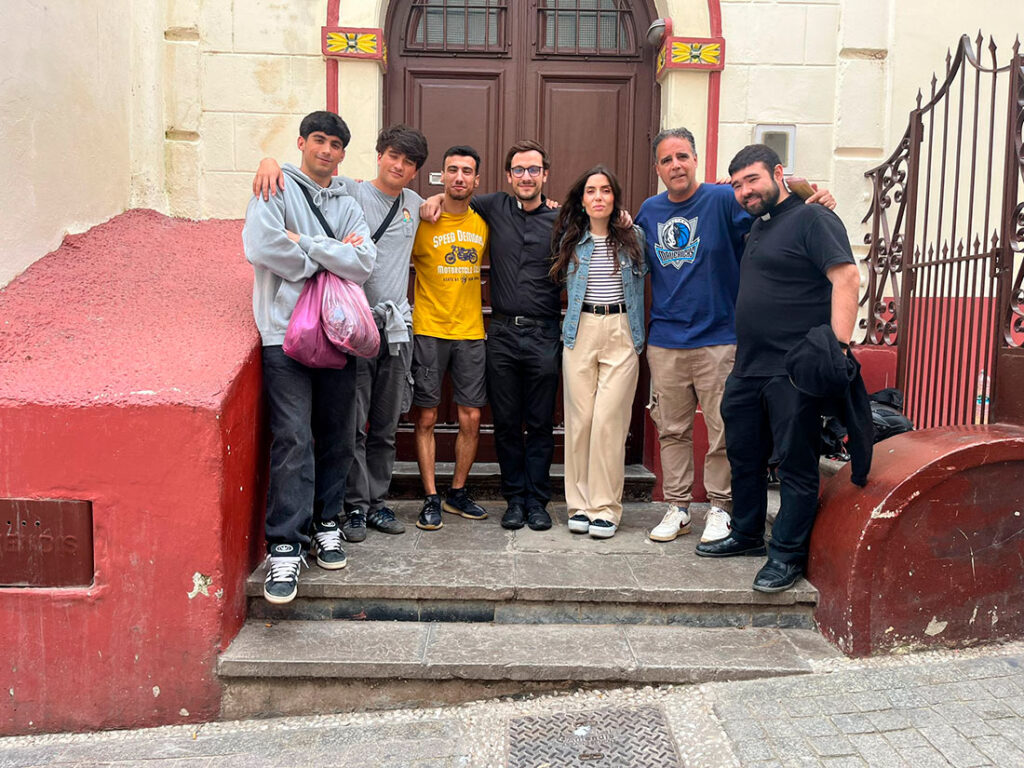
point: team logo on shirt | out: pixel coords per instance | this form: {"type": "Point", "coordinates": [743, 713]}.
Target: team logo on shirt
{"type": "Point", "coordinates": [677, 242]}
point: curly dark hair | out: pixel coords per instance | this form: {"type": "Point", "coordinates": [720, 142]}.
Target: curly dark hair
{"type": "Point", "coordinates": [573, 222]}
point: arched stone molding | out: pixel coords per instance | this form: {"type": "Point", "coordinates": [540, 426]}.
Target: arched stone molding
{"type": "Point", "coordinates": [689, 98]}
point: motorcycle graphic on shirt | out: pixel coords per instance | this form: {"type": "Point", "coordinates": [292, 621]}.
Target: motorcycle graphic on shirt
{"type": "Point", "coordinates": [677, 242]}
{"type": "Point", "coordinates": [462, 254]}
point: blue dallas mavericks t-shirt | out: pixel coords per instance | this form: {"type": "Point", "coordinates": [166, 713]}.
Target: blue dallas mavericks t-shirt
{"type": "Point", "coordinates": [694, 251]}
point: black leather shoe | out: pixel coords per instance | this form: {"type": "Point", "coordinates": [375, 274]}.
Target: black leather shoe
{"type": "Point", "coordinates": [537, 516]}
{"type": "Point", "coordinates": [731, 547]}
{"type": "Point", "coordinates": [514, 517]}
{"type": "Point", "coordinates": [776, 576]}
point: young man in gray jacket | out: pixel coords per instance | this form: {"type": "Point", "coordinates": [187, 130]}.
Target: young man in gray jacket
{"type": "Point", "coordinates": [312, 419]}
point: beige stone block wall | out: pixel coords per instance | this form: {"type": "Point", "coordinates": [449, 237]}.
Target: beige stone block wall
{"type": "Point", "coordinates": [781, 70]}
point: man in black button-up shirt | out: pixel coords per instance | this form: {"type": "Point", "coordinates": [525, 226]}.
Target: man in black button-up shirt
{"type": "Point", "coordinates": [524, 350]}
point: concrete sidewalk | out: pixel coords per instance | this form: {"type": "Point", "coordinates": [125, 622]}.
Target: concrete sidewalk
{"type": "Point", "coordinates": [940, 708]}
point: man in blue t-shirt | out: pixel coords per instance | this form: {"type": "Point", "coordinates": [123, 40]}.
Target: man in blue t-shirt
{"type": "Point", "coordinates": [695, 236]}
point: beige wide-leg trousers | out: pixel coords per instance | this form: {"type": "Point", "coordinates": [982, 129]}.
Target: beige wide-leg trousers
{"type": "Point", "coordinates": [599, 377]}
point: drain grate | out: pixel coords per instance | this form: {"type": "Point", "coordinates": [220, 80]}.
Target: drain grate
{"type": "Point", "coordinates": [607, 738]}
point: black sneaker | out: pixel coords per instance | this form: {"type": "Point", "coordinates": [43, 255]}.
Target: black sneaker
{"type": "Point", "coordinates": [458, 503]}
{"type": "Point", "coordinates": [537, 516]}
{"type": "Point", "coordinates": [326, 545]}
{"type": "Point", "coordinates": [514, 517]}
{"type": "Point", "coordinates": [354, 527]}
{"type": "Point", "coordinates": [430, 515]}
{"type": "Point", "coordinates": [282, 582]}
{"type": "Point", "coordinates": [384, 520]}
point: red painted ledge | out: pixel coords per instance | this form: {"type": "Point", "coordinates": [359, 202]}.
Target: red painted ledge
{"type": "Point", "coordinates": [931, 552]}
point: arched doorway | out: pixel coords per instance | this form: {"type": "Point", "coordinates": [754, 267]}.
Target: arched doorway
{"type": "Point", "coordinates": [575, 75]}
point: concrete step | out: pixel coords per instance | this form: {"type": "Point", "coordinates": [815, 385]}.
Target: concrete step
{"type": "Point", "coordinates": [476, 571]}
{"type": "Point", "coordinates": [293, 667]}
{"type": "Point", "coordinates": [485, 480]}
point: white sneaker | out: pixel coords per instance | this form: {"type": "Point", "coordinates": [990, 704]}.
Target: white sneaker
{"type": "Point", "coordinates": [675, 523]}
{"type": "Point", "coordinates": [719, 524]}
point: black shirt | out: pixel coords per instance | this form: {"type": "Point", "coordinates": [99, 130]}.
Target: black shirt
{"type": "Point", "coordinates": [783, 288]}
{"type": "Point", "coordinates": [520, 246]}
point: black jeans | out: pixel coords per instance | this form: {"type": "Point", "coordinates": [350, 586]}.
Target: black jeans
{"type": "Point", "coordinates": [523, 372]}
{"type": "Point", "coordinates": [312, 427]}
{"type": "Point", "coordinates": [759, 413]}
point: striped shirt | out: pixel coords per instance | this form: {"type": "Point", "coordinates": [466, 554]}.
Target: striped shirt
{"type": "Point", "coordinates": [604, 284]}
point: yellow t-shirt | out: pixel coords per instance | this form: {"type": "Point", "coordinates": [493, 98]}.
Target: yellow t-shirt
{"type": "Point", "coordinates": [447, 257]}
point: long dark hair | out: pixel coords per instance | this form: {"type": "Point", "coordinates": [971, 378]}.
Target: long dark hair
{"type": "Point", "coordinates": [573, 221]}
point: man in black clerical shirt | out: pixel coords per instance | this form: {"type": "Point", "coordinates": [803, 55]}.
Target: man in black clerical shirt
{"type": "Point", "coordinates": [524, 350]}
{"type": "Point", "coordinates": [797, 273]}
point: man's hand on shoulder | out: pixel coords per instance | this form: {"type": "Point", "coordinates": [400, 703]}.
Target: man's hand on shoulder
{"type": "Point", "coordinates": [431, 208]}
{"type": "Point", "coordinates": [625, 219]}
{"type": "Point", "coordinates": [269, 179]}
{"type": "Point", "coordinates": [551, 203]}
{"type": "Point", "coordinates": [810, 192]}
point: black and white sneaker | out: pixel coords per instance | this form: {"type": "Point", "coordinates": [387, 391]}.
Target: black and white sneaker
{"type": "Point", "coordinates": [326, 545]}
{"type": "Point", "coordinates": [282, 582]}
{"type": "Point", "coordinates": [579, 523]}
{"type": "Point", "coordinates": [602, 529]}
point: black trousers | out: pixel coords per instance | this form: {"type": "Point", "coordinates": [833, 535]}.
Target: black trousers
{"type": "Point", "coordinates": [523, 372]}
{"type": "Point", "coordinates": [313, 429]}
{"type": "Point", "coordinates": [759, 413]}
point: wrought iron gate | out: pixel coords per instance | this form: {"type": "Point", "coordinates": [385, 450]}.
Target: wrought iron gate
{"type": "Point", "coordinates": [947, 239]}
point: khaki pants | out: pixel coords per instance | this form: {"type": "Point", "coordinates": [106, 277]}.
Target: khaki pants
{"type": "Point", "coordinates": [599, 376]}
{"type": "Point", "coordinates": [680, 378]}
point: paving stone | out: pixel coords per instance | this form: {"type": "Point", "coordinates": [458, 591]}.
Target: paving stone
{"type": "Point", "coordinates": [815, 726]}
{"type": "Point", "coordinates": [991, 710]}
{"type": "Point", "coordinates": [832, 746]}
{"type": "Point", "coordinates": [749, 750]}
{"type": "Point", "coordinates": [889, 720]}
{"type": "Point", "coordinates": [843, 762]}
{"type": "Point", "coordinates": [924, 757]}
{"type": "Point", "coordinates": [875, 750]}
{"type": "Point", "coordinates": [1000, 750]}
{"type": "Point", "coordinates": [1001, 688]}
{"type": "Point", "coordinates": [954, 747]}
{"type": "Point", "coordinates": [803, 707]}
{"type": "Point", "coordinates": [908, 738]}
{"type": "Point", "coordinates": [854, 723]}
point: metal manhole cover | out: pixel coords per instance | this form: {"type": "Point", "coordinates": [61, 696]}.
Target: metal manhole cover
{"type": "Point", "coordinates": [607, 738]}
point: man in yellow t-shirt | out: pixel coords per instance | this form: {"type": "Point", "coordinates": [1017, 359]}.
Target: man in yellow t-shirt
{"type": "Point", "coordinates": [448, 333]}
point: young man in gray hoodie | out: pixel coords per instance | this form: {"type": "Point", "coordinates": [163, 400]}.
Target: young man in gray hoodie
{"type": "Point", "coordinates": [383, 384]}
{"type": "Point", "coordinates": [312, 418]}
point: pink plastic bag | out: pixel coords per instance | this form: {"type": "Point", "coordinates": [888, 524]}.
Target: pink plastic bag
{"type": "Point", "coordinates": [305, 340]}
{"type": "Point", "coordinates": [347, 318]}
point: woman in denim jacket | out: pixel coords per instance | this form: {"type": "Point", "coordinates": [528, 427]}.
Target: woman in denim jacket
{"type": "Point", "coordinates": [603, 335]}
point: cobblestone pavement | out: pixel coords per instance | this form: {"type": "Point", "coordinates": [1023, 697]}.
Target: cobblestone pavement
{"type": "Point", "coordinates": [942, 708]}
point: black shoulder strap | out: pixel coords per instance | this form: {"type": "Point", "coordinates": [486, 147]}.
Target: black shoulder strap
{"type": "Point", "coordinates": [317, 212]}
{"type": "Point", "coordinates": [389, 218]}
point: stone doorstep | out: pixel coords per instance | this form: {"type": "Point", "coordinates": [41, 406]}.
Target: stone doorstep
{"type": "Point", "coordinates": [485, 480]}
{"type": "Point", "coordinates": [509, 652]}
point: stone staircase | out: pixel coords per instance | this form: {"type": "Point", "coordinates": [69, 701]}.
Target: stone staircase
{"type": "Point", "coordinates": [474, 611]}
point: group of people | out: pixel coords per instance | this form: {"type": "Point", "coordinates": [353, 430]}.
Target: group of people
{"type": "Point", "coordinates": [717, 335]}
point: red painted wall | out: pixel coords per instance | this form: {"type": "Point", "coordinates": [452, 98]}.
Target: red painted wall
{"type": "Point", "coordinates": [929, 553]}
{"type": "Point", "coordinates": [129, 377]}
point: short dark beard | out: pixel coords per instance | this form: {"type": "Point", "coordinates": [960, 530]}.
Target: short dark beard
{"type": "Point", "coordinates": [767, 203]}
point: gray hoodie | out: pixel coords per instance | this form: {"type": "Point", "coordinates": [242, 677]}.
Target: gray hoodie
{"type": "Point", "coordinates": [281, 266]}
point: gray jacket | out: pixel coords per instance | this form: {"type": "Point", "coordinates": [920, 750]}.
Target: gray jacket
{"type": "Point", "coordinates": [281, 266]}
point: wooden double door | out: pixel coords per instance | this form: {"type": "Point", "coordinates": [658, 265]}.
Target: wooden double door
{"type": "Point", "coordinates": [574, 75]}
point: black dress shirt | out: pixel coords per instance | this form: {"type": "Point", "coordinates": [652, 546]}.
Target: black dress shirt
{"type": "Point", "coordinates": [520, 248]}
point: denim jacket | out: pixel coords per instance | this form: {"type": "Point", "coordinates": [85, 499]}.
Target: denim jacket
{"type": "Point", "coordinates": [632, 288]}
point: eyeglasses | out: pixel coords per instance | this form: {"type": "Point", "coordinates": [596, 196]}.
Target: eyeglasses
{"type": "Point", "coordinates": [533, 170]}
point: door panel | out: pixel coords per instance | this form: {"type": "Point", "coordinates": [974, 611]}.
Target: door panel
{"type": "Point", "coordinates": [459, 108]}
{"type": "Point", "coordinates": [585, 108]}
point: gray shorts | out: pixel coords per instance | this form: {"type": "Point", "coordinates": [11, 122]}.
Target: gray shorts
{"type": "Point", "coordinates": [464, 359]}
